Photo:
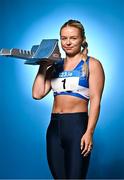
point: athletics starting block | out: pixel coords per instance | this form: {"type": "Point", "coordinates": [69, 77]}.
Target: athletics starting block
{"type": "Point", "coordinates": [48, 50]}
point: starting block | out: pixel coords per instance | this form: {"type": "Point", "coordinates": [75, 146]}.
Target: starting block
{"type": "Point", "coordinates": [48, 50]}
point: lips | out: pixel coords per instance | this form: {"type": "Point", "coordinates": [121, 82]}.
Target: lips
{"type": "Point", "coordinates": [68, 48]}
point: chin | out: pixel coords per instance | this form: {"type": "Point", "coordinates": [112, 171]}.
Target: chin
{"type": "Point", "coordinates": [71, 53]}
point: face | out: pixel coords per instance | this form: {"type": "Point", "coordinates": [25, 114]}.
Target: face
{"type": "Point", "coordinates": [71, 40]}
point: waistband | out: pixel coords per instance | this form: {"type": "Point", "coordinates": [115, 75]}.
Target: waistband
{"type": "Point", "coordinates": [81, 114]}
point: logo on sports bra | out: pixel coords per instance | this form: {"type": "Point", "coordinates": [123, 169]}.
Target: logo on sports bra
{"type": "Point", "coordinates": [65, 74]}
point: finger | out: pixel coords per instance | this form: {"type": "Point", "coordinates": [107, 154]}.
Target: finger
{"type": "Point", "coordinates": [82, 145]}
{"type": "Point", "coordinates": [86, 153]}
{"type": "Point", "coordinates": [85, 149]}
{"type": "Point", "coordinates": [88, 150]}
{"type": "Point", "coordinates": [90, 147]}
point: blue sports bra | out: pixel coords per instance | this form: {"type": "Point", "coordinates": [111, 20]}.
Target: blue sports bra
{"type": "Point", "coordinates": [73, 83]}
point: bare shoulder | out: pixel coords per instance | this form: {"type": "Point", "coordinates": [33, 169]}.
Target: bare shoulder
{"type": "Point", "coordinates": [95, 64]}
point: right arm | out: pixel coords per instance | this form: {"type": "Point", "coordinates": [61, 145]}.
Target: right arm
{"type": "Point", "coordinates": [42, 83]}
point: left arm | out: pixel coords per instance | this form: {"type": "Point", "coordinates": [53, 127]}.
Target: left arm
{"type": "Point", "coordinates": [96, 85]}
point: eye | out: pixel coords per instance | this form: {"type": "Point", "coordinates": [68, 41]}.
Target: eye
{"type": "Point", "coordinates": [74, 38]}
{"type": "Point", "coordinates": [63, 38]}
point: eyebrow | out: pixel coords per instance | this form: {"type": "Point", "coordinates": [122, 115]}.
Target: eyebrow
{"type": "Point", "coordinates": [70, 36]}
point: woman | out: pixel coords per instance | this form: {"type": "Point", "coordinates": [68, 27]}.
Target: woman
{"type": "Point", "coordinates": [76, 80]}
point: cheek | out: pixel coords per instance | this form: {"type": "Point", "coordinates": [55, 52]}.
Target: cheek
{"type": "Point", "coordinates": [62, 43]}
{"type": "Point", "coordinates": [78, 43]}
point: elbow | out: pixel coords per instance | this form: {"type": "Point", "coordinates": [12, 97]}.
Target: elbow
{"type": "Point", "coordinates": [37, 96]}
{"type": "Point", "coordinates": [95, 100]}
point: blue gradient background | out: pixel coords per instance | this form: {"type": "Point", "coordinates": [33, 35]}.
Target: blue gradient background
{"type": "Point", "coordinates": [23, 121]}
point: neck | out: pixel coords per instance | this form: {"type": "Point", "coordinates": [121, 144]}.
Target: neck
{"type": "Point", "coordinates": [76, 57]}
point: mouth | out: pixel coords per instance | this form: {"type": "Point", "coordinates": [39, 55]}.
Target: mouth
{"type": "Point", "coordinates": [68, 48]}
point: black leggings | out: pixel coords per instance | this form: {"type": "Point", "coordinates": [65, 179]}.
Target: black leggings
{"type": "Point", "coordinates": [63, 145]}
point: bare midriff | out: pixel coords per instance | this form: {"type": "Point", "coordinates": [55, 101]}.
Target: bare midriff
{"type": "Point", "coordinates": [69, 104]}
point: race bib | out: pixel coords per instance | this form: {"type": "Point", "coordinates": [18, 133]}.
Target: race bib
{"type": "Point", "coordinates": [65, 84]}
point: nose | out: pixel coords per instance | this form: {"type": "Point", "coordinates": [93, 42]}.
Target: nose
{"type": "Point", "coordinates": [68, 42]}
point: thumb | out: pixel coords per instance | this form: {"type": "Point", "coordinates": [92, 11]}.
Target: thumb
{"type": "Point", "coordinates": [82, 143]}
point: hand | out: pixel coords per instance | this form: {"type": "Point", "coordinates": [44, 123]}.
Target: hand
{"type": "Point", "coordinates": [46, 63]}
{"type": "Point", "coordinates": [86, 143]}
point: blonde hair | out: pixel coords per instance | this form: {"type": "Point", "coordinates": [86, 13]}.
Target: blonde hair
{"type": "Point", "coordinates": [78, 25]}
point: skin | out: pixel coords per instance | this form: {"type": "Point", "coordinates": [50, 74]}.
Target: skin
{"type": "Point", "coordinates": [71, 41]}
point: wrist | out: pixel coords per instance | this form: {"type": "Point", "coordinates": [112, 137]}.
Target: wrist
{"type": "Point", "coordinates": [90, 131]}
{"type": "Point", "coordinates": [43, 67]}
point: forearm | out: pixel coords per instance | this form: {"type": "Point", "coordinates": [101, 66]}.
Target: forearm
{"type": "Point", "coordinates": [39, 83]}
{"type": "Point", "coordinates": [93, 114]}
